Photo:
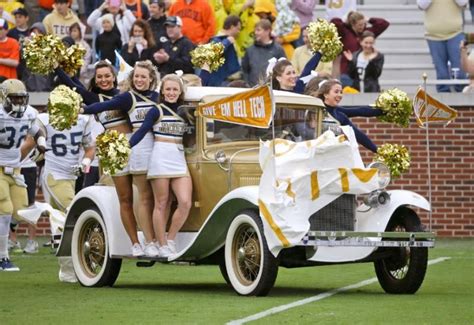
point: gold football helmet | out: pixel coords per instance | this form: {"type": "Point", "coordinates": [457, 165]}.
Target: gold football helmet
{"type": "Point", "coordinates": [14, 97]}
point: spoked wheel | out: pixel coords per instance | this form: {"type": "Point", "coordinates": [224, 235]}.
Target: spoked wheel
{"type": "Point", "coordinates": [90, 252]}
{"type": "Point", "coordinates": [251, 268]}
{"type": "Point", "coordinates": [404, 270]}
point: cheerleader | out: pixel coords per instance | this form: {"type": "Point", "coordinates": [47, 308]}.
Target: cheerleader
{"type": "Point", "coordinates": [136, 103]}
{"type": "Point", "coordinates": [330, 92]}
{"type": "Point", "coordinates": [169, 169]}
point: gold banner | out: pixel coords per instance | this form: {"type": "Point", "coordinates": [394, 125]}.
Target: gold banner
{"type": "Point", "coordinates": [253, 107]}
{"type": "Point", "coordinates": [432, 110]}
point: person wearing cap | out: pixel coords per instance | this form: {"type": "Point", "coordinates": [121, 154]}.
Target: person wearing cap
{"type": "Point", "coordinates": [123, 19]}
{"type": "Point", "coordinates": [9, 53]}
{"type": "Point", "coordinates": [199, 23]}
{"type": "Point", "coordinates": [60, 19]}
{"type": "Point", "coordinates": [173, 52]}
{"type": "Point", "coordinates": [157, 19]}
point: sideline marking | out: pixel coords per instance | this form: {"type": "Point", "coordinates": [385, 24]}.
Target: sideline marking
{"type": "Point", "coordinates": [321, 296]}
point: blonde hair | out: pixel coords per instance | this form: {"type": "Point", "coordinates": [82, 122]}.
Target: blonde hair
{"type": "Point", "coordinates": [154, 74]}
{"type": "Point", "coordinates": [353, 17]}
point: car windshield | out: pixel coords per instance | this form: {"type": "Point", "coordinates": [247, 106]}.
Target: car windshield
{"type": "Point", "coordinates": [291, 124]}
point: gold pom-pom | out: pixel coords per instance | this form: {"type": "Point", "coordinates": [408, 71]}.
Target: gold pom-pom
{"type": "Point", "coordinates": [63, 107]}
{"type": "Point", "coordinates": [395, 156]}
{"type": "Point", "coordinates": [323, 37]}
{"type": "Point", "coordinates": [113, 150]}
{"type": "Point", "coordinates": [42, 53]}
{"type": "Point", "coordinates": [396, 105]}
{"type": "Point", "coordinates": [72, 59]}
{"type": "Point", "coordinates": [211, 54]}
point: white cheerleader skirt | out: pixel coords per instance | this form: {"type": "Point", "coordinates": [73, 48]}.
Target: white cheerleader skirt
{"type": "Point", "coordinates": [167, 161]}
{"type": "Point", "coordinates": [141, 154]}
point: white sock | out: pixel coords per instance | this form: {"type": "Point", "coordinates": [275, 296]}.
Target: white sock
{"type": "Point", "coordinates": [4, 230]}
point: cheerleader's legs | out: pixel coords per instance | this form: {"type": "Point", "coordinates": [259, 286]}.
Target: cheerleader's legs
{"type": "Point", "coordinates": [161, 193]}
{"type": "Point", "coordinates": [123, 186]}
{"type": "Point", "coordinates": [145, 206]}
{"type": "Point", "coordinates": [182, 189]}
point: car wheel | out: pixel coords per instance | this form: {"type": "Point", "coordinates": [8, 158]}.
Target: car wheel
{"type": "Point", "coordinates": [90, 252]}
{"type": "Point", "coordinates": [251, 268]}
{"type": "Point", "coordinates": [404, 270]}
{"type": "Point", "coordinates": [223, 270]}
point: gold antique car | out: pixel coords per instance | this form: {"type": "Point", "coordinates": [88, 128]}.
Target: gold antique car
{"type": "Point", "coordinates": [225, 226]}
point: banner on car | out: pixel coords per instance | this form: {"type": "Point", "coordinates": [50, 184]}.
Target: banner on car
{"type": "Point", "coordinates": [253, 108]}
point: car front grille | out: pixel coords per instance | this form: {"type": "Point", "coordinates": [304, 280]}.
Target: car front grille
{"type": "Point", "coordinates": [337, 215]}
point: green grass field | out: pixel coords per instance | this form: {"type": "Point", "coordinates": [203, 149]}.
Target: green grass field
{"type": "Point", "coordinates": [180, 294]}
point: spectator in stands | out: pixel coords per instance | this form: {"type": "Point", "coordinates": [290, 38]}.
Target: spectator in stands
{"type": "Point", "coordinates": [256, 57]}
{"type": "Point", "coordinates": [19, 32]}
{"type": "Point", "coordinates": [287, 27]}
{"type": "Point", "coordinates": [122, 20]}
{"type": "Point", "coordinates": [32, 81]}
{"type": "Point", "coordinates": [219, 13]}
{"type": "Point", "coordinates": [59, 21]}
{"type": "Point", "coordinates": [303, 54]}
{"type": "Point", "coordinates": [199, 23]}
{"type": "Point", "coordinates": [350, 33]}
{"type": "Point", "coordinates": [366, 64]}
{"type": "Point", "coordinates": [46, 7]}
{"type": "Point", "coordinates": [244, 9]}
{"type": "Point", "coordinates": [85, 74]}
{"type": "Point", "coordinates": [173, 53]}
{"type": "Point", "coordinates": [157, 19]}
{"type": "Point", "coordinates": [444, 36]}
{"type": "Point", "coordinates": [138, 8]}
{"type": "Point", "coordinates": [141, 45]}
{"type": "Point", "coordinates": [467, 65]}
{"type": "Point", "coordinates": [9, 53]}
{"type": "Point", "coordinates": [108, 41]}
{"type": "Point", "coordinates": [231, 65]}
{"type": "Point", "coordinates": [304, 9]}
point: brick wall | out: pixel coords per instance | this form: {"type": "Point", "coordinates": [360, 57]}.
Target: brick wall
{"type": "Point", "coordinates": [452, 170]}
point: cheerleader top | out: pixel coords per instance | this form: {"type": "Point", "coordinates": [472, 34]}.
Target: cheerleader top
{"type": "Point", "coordinates": [134, 103]}
{"type": "Point", "coordinates": [165, 123]}
{"type": "Point", "coordinates": [108, 119]}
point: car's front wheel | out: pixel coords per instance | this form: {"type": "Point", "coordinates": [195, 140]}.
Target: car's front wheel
{"type": "Point", "coordinates": [251, 268]}
{"type": "Point", "coordinates": [90, 252]}
{"type": "Point", "coordinates": [403, 271]}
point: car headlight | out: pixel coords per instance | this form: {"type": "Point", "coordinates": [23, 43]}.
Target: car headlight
{"type": "Point", "coordinates": [383, 173]}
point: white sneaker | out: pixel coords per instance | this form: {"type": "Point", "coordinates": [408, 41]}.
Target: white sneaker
{"type": "Point", "coordinates": [31, 247]}
{"type": "Point", "coordinates": [14, 246]}
{"type": "Point", "coordinates": [137, 250]}
{"type": "Point", "coordinates": [151, 250]}
{"type": "Point", "coordinates": [172, 246]}
{"type": "Point", "coordinates": [165, 251]}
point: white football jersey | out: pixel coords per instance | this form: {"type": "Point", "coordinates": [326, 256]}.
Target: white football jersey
{"type": "Point", "coordinates": [32, 113]}
{"type": "Point", "coordinates": [13, 132]}
{"type": "Point", "coordinates": [63, 148]}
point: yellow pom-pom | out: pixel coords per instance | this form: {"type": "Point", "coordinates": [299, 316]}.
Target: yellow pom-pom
{"type": "Point", "coordinates": [42, 53]}
{"type": "Point", "coordinates": [63, 107]}
{"type": "Point", "coordinates": [211, 54]}
{"type": "Point", "coordinates": [323, 37]}
{"type": "Point", "coordinates": [395, 156]}
{"type": "Point", "coordinates": [396, 105]}
{"type": "Point", "coordinates": [113, 150]}
{"type": "Point", "coordinates": [72, 59]}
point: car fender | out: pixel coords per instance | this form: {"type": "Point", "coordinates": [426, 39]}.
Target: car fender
{"type": "Point", "coordinates": [105, 200]}
{"type": "Point", "coordinates": [213, 232]}
{"type": "Point", "coordinates": [371, 219]}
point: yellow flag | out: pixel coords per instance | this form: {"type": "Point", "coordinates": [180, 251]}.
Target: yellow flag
{"type": "Point", "coordinates": [253, 107]}
{"type": "Point", "coordinates": [432, 110]}
{"type": "Point", "coordinates": [124, 68]}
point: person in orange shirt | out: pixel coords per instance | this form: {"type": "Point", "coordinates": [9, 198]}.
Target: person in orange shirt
{"type": "Point", "coordinates": [199, 23]}
{"type": "Point", "coordinates": [9, 53]}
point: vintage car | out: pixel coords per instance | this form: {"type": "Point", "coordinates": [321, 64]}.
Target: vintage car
{"type": "Point", "coordinates": [225, 226]}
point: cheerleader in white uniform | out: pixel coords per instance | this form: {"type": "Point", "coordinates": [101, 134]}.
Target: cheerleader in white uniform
{"type": "Point", "coordinates": [136, 103]}
{"type": "Point", "coordinates": [168, 167]}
